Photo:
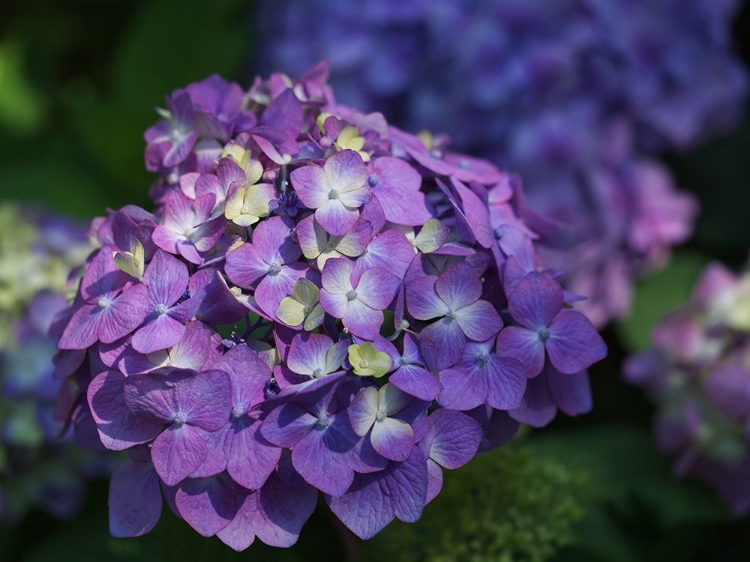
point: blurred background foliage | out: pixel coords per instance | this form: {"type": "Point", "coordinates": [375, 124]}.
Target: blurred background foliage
{"type": "Point", "coordinates": [79, 80]}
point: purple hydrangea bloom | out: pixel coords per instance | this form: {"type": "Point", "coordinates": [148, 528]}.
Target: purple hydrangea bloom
{"type": "Point", "coordinates": [314, 306]}
{"type": "Point", "coordinates": [696, 373]}
{"type": "Point", "coordinates": [581, 97]}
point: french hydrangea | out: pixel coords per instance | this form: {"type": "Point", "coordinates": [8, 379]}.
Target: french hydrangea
{"type": "Point", "coordinates": [316, 304]}
{"type": "Point", "coordinates": [578, 96]}
{"type": "Point", "coordinates": [696, 373]}
{"type": "Point", "coordinates": [37, 470]}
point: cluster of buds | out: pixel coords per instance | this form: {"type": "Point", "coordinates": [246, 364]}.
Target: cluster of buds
{"type": "Point", "coordinates": [318, 303]}
{"type": "Point", "coordinates": [37, 251]}
{"type": "Point", "coordinates": [698, 374]}
{"type": "Point", "coordinates": [578, 96]}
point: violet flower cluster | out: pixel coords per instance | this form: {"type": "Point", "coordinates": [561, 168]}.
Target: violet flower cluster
{"type": "Point", "coordinates": [578, 96]}
{"type": "Point", "coordinates": [37, 251]}
{"type": "Point", "coordinates": [318, 303]}
{"type": "Point", "coordinates": [697, 373]}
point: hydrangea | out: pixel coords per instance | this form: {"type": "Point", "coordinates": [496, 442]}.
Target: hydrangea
{"type": "Point", "coordinates": [578, 96]}
{"type": "Point", "coordinates": [696, 373]}
{"type": "Point", "coordinates": [37, 250]}
{"type": "Point", "coordinates": [317, 303]}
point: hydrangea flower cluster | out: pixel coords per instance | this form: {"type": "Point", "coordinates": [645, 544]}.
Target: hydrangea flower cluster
{"type": "Point", "coordinates": [577, 96]}
{"type": "Point", "coordinates": [37, 251]}
{"type": "Point", "coordinates": [698, 374]}
{"type": "Point", "coordinates": [319, 302]}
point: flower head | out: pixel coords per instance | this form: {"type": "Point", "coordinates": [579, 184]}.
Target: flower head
{"type": "Point", "coordinates": [312, 308]}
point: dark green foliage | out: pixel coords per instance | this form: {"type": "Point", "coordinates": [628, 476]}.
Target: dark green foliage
{"type": "Point", "coordinates": [509, 505]}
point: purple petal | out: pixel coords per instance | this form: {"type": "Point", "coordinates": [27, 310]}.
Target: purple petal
{"type": "Point", "coordinates": [245, 265]}
{"type": "Point", "coordinates": [124, 314]}
{"type": "Point", "coordinates": [248, 373]}
{"type": "Point", "coordinates": [506, 383]}
{"type": "Point", "coordinates": [455, 438]}
{"type": "Point", "coordinates": [207, 504]}
{"type": "Point", "coordinates": [434, 480]}
{"type": "Point", "coordinates": [571, 393]}
{"type": "Point", "coordinates": [102, 277]}
{"type": "Point", "coordinates": [118, 427]}
{"type": "Point", "coordinates": [166, 278]}
{"type": "Point", "coordinates": [335, 217]}
{"type": "Point", "coordinates": [217, 303]}
{"type": "Point", "coordinates": [310, 185]}
{"type": "Point", "coordinates": [177, 452]}
{"type": "Point", "coordinates": [315, 352]}
{"type": "Point", "coordinates": [537, 408]}
{"type": "Point", "coordinates": [524, 345]}
{"type": "Point", "coordinates": [377, 287]}
{"type": "Point", "coordinates": [275, 514]}
{"type": "Point", "coordinates": [273, 288]}
{"type": "Point", "coordinates": [162, 333]}
{"type": "Point", "coordinates": [574, 344]}
{"type": "Point", "coordinates": [389, 250]}
{"type": "Point", "coordinates": [479, 321]}
{"type": "Point", "coordinates": [459, 286]}
{"type": "Point", "coordinates": [443, 343]}
{"type": "Point", "coordinates": [416, 381]}
{"type": "Point", "coordinates": [134, 499]}
{"type": "Point", "coordinates": [83, 328]}
{"type": "Point", "coordinates": [363, 409]}
{"type": "Point", "coordinates": [477, 215]}
{"type": "Point", "coordinates": [396, 185]}
{"type": "Point", "coordinates": [422, 301]}
{"type": "Point", "coordinates": [287, 424]}
{"type": "Point", "coordinates": [336, 277]}
{"type": "Point", "coordinates": [320, 456]}
{"type": "Point", "coordinates": [375, 499]}
{"type": "Point", "coordinates": [361, 320]}
{"type": "Point", "coordinates": [535, 301]}
{"type": "Point", "coordinates": [251, 459]}
{"type": "Point", "coordinates": [206, 399]}
{"type": "Point", "coordinates": [273, 240]}
{"type": "Point", "coordinates": [392, 438]}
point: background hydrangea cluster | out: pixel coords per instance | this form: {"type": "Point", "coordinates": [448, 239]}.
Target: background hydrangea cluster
{"type": "Point", "coordinates": [578, 96]}
{"type": "Point", "coordinates": [36, 469]}
{"type": "Point", "coordinates": [319, 302]}
{"type": "Point", "coordinates": [698, 374]}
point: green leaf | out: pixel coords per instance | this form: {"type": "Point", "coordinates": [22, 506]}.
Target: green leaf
{"type": "Point", "coordinates": [22, 108]}
{"type": "Point", "coordinates": [624, 466]}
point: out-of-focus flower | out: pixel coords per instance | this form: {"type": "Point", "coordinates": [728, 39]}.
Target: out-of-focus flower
{"type": "Point", "coordinates": [698, 374]}
{"type": "Point", "coordinates": [37, 469]}
{"type": "Point", "coordinates": [373, 285]}
{"type": "Point", "coordinates": [578, 96]}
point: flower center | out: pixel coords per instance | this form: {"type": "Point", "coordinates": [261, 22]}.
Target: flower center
{"type": "Point", "coordinates": [274, 269]}
{"type": "Point", "coordinates": [450, 316]}
{"type": "Point", "coordinates": [380, 416]}
{"type": "Point", "coordinates": [403, 361]}
{"type": "Point", "coordinates": [180, 418]}
{"type": "Point", "coordinates": [373, 180]}
{"type": "Point", "coordinates": [161, 309]}
{"type": "Point", "coordinates": [317, 373]}
{"type": "Point", "coordinates": [543, 335]}
{"type": "Point", "coordinates": [323, 421]}
{"type": "Point", "coordinates": [245, 210]}
{"type": "Point", "coordinates": [333, 194]}
{"type": "Point", "coordinates": [351, 295]}
{"type": "Point", "coordinates": [498, 232]}
{"type": "Point", "coordinates": [104, 302]}
{"type": "Point", "coordinates": [483, 359]}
